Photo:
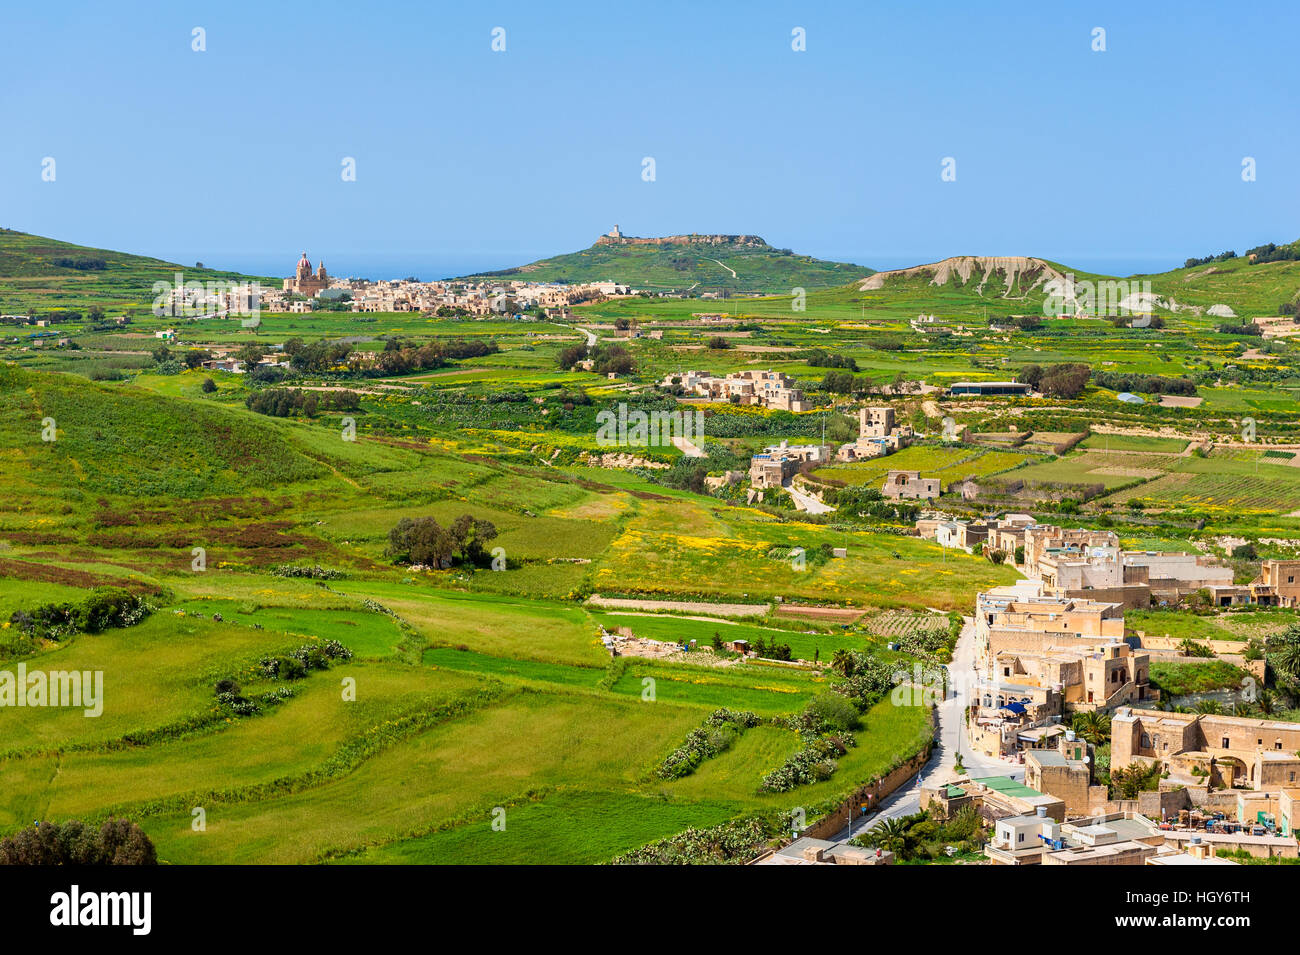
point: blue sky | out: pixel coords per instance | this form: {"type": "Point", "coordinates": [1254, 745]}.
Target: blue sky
{"type": "Point", "coordinates": [1131, 157]}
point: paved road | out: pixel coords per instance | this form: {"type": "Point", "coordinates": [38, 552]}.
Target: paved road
{"type": "Point", "coordinates": [688, 448]}
{"type": "Point", "coordinates": [806, 502]}
{"type": "Point", "coordinates": [952, 739]}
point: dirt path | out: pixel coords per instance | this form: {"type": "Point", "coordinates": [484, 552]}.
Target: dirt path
{"type": "Point", "coordinates": [685, 606]}
{"type": "Point", "coordinates": [842, 614]}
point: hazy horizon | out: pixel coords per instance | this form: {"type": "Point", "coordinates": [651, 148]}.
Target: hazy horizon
{"type": "Point", "coordinates": [431, 266]}
{"type": "Point", "coordinates": [1131, 156]}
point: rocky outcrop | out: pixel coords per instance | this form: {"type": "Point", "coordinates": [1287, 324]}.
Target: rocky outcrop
{"type": "Point", "coordinates": [1020, 272]}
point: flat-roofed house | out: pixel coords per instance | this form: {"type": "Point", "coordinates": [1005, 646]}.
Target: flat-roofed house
{"type": "Point", "coordinates": [1278, 584]}
{"type": "Point", "coordinates": [910, 486]}
{"type": "Point", "coordinates": [1200, 748]}
{"type": "Point", "coordinates": [1013, 618]}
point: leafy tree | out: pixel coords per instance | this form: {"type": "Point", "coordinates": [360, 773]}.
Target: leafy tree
{"type": "Point", "coordinates": [819, 358]}
{"type": "Point", "coordinates": [116, 842]}
{"type": "Point", "coordinates": [423, 540]}
{"type": "Point", "coordinates": [1127, 781]}
{"type": "Point", "coordinates": [839, 383]}
{"type": "Point", "coordinates": [833, 710]}
{"type": "Point", "coordinates": [251, 353]}
{"type": "Point", "coordinates": [571, 356]}
{"type": "Point", "coordinates": [612, 360]}
{"type": "Point", "coordinates": [1030, 375]}
{"type": "Point", "coordinates": [471, 536]}
{"type": "Point", "coordinates": [196, 357]}
{"type": "Point", "coordinates": [1066, 380]}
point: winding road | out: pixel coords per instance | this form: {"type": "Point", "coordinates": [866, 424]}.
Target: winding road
{"type": "Point", "coordinates": [951, 739]}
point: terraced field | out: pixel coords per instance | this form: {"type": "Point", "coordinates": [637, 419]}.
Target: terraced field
{"type": "Point", "coordinates": [290, 669]}
{"type": "Point", "coordinates": [946, 463]}
{"type": "Point", "coordinates": [468, 693]}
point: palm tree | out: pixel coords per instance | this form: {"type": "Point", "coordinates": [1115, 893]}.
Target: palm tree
{"type": "Point", "coordinates": [888, 834]}
{"type": "Point", "coordinates": [1209, 706]}
{"type": "Point", "coordinates": [1092, 727]}
{"type": "Point", "coordinates": [1267, 701]}
{"type": "Point", "coordinates": [1128, 781]}
{"type": "Point", "coordinates": [1284, 655]}
{"type": "Point", "coordinates": [842, 662]}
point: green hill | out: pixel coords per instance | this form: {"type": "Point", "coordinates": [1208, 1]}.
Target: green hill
{"type": "Point", "coordinates": [42, 274]}
{"type": "Point", "coordinates": [700, 263]}
{"type": "Point", "coordinates": [1250, 289]}
{"type": "Point", "coordinates": [1019, 285]}
{"type": "Point", "coordinates": [117, 440]}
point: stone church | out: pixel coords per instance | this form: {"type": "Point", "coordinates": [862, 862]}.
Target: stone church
{"type": "Point", "coordinates": [304, 282]}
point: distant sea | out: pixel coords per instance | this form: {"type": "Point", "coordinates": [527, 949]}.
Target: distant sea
{"type": "Point", "coordinates": [427, 267]}
{"type": "Point", "coordinates": [431, 266]}
{"type": "Point", "coordinates": [1118, 266]}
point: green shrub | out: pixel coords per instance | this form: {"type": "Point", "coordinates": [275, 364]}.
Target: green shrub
{"type": "Point", "coordinates": [116, 842]}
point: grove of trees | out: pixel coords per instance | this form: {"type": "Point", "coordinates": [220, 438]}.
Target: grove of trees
{"type": "Point", "coordinates": [422, 540]}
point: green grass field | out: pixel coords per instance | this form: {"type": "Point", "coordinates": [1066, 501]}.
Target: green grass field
{"type": "Point", "coordinates": [474, 689]}
{"type": "Point", "coordinates": [480, 718]}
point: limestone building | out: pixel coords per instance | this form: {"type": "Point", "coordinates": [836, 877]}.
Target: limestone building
{"type": "Point", "coordinates": [304, 282]}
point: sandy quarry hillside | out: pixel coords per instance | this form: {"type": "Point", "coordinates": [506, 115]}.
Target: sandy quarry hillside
{"type": "Point", "coordinates": [1022, 272]}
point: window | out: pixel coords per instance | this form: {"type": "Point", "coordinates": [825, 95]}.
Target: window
{"type": "Point", "coordinates": [1277, 744]}
{"type": "Point", "coordinates": [1020, 837]}
{"type": "Point", "coordinates": [1225, 743]}
{"type": "Point", "coordinates": [1146, 741]}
